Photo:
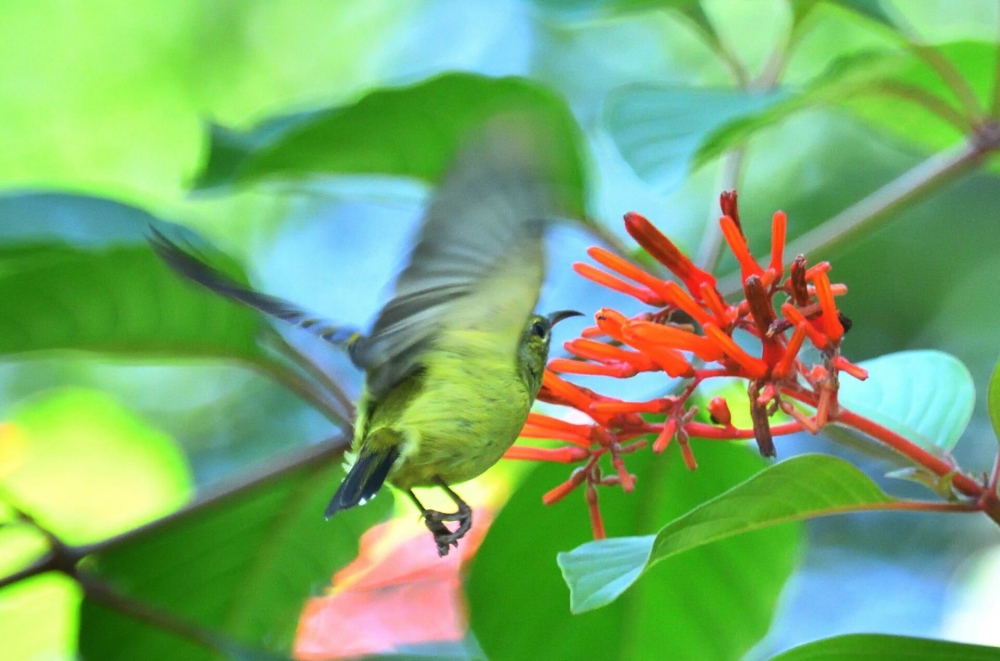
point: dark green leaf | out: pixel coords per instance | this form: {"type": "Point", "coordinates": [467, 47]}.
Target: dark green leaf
{"type": "Point", "coordinates": [408, 131]}
{"type": "Point", "coordinates": [718, 599]}
{"type": "Point", "coordinates": [888, 648]}
{"type": "Point", "coordinates": [242, 565]}
{"type": "Point", "coordinates": [993, 400]}
{"type": "Point", "coordinates": [76, 273]}
{"type": "Point", "coordinates": [799, 488]}
{"type": "Point", "coordinates": [659, 128]}
{"type": "Point", "coordinates": [870, 9]}
{"type": "Point", "coordinates": [925, 396]}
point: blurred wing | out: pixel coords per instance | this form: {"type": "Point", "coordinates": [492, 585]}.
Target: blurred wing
{"type": "Point", "coordinates": [479, 260]}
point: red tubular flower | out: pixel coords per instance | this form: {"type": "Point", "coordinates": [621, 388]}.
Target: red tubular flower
{"type": "Point", "coordinates": [596, 522]}
{"type": "Point", "coordinates": [859, 373]}
{"type": "Point", "coordinates": [779, 226]}
{"type": "Point", "coordinates": [753, 368]}
{"type": "Point", "coordinates": [602, 352]}
{"type": "Point", "coordinates": [688, 334]}
{"type": "Point", "coordinates": [653, 406]}
{"type": "Point", "coordinates": [555, 495]}
{"type": "Point", "coordinates": [728, 202]}
{"type": "Point", "coordinates": [665, 252]}
{"type": "Point", "coordinates": [831, 321]}
{"type": "Point", "coordinates": [680, 298]}
{"type": "Point", "coordinates": [797, 318]}
{"type": "Point", "coordinates": [616, 370]}
{"type": "Point", "coordinates": [784, 367]}
{"type": "Point", "coordinates": [644, 331]}
{"type": "Point", "coordinates": [666, 435]}
{"type": "Point", "coordinates": [718, 408]}
{"type": "Point", "coordinates": [612, 282]}
{"type": "Point", "coordinates": [724, 314]}
{"type": "Point", "coordinates": [567, 455]}
{"type": "Point", "coordinates": [734, 237]}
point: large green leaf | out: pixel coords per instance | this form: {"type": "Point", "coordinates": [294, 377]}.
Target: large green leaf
{"type": "Point", "coordinates": [242, 565]}
{"type": "Point", "coordinates": [408, 131]}
{"type": "Point", "coordinates": [718, 600]}
{"type": "Point", "coordinates": [925, 396]}
{"type": "Point", "coordinates": [887, 648]}
{"type": "Point", "coordinates": [76, 272]}
{"type": "Point", "coordinates": [599, 572]}
{"type": "Point", "coordinates": [659, 128]}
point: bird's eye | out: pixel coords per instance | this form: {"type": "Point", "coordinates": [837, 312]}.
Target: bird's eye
{"type": "Point", "coordinates": [538, 329]}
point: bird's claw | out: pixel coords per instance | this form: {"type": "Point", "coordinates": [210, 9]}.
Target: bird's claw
{"type": "Point", "coordinates": [444, 537]}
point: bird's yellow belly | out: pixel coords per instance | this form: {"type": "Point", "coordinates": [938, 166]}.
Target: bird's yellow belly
{"type": "Point", "coordinates": [457, 433]}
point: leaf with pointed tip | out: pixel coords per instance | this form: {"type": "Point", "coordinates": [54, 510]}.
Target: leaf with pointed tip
{"type": "Point", "coordinates": [713, 614]}
{"type": "Point", "coordinates": [241, 565]}
{"type": "Point", "coordinates": [77, 273]}
{"type": "Point", "coordinates": [870, 9]}
{"type": "Point", "coordinates": [993, 400]}
{"type": "Point", "coordinates": [925, 396]}
{"type": "Point", "coordinates": [799, 488]}
{"type": "Point", "coordinates": [659, 128]}
{"type": "Point", "coordinates": [887, 648]}
{"type": "Point", "coordinates": [406, 131]}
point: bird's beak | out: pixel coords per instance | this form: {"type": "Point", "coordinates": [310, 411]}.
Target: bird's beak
{"type": "Point", "coordinates": [555, 317]}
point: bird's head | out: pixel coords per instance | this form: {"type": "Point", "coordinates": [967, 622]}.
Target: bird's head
{"type": "Point", "coordinates": [535, 340]}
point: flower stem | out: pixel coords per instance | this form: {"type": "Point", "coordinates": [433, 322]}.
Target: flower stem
{"type": "Point", "coordinates": [877, 207]}
{"type": "Point", "coordinates": [986, 501]}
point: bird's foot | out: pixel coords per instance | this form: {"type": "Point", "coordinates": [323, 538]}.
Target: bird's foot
{"type": "Point", "coordinates": [444, 537]}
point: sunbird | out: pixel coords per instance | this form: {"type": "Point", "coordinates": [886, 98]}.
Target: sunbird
{"type": "Point", "coordinates": [455, 358]}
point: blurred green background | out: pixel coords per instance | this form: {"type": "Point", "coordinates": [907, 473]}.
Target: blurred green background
{"type": "Point", "coordinates": [125, 394]}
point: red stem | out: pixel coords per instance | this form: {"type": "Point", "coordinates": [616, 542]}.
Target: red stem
{"type": "Point", "coordinates": [986, 499]}
{"type": "Point", "coordinates": [702, 430]}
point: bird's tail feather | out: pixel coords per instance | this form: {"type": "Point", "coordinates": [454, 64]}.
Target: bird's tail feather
{"type": "Point", "coordinates": [189, 266]}
{"type": "Point", "coordinates": [374, 461]}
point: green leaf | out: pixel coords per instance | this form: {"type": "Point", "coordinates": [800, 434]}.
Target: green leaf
{"type": "Point", "coordinates": [888, 648]}
{"type": "Point", "coordinates": [77, 273]}
{"type": "Point", "coordinates": [799, 488]}
{"type": "Point", "coordinates": [408, 131]}
{"type": "Point", "coordinates": [718, 599]}
{"type": "Point", "coordinates": [925, 396]}
{"type": "Point", "coordinates": [242, 565]}
{"type": "Point", "coordinates": [591, 9]}
{"type": "Point", "coordinates": [89, 469]}
{"type": "Point", "coordinates": [914, 123]}
{"type": "Point", "coordinates": [844, 77]}
{"type": "Point", "coordinates": [870, 9]}
{"type": "Point", "coordinates": [659, 128]}
{"type": "Point", "coordinates": [993, 400]}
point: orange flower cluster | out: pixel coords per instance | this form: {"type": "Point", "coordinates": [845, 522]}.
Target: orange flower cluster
{"type": "Point", "coordinates": [689, 334]}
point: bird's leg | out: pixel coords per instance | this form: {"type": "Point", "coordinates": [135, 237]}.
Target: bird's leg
{"type": "Point", "coordinates": [434, 520]}
{"type": "Point", "coordinates": [434, 523]}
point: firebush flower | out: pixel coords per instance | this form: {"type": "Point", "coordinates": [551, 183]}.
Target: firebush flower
{"type": "Point", "coordinates": [689, 334]}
